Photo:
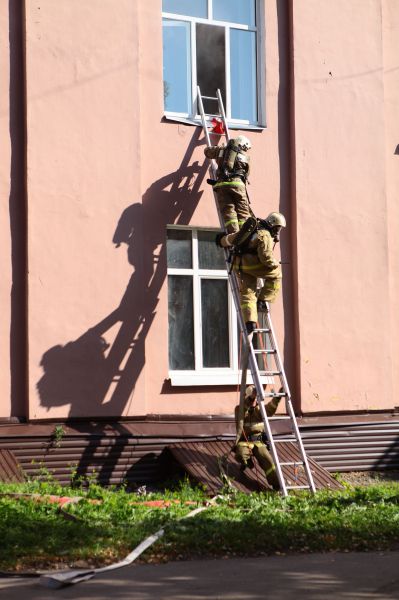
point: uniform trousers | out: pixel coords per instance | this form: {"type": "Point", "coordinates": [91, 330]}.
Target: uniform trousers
{"type": "Point", "coordinates": [245, 450]}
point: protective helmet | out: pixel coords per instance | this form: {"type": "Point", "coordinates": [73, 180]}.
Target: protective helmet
{"type": "Point", "coordinates": [249, 391]}
{"type": "Point", "coordinates": [275, 219]}
{"type": "Point", "coordinates": [243, 142]}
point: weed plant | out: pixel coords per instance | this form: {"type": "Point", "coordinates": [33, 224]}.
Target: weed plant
{"type": "Point", "coordinates": [109, 522]}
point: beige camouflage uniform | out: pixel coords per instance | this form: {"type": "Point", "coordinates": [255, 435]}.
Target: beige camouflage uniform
{"type": "Point", "coordinates": [257, 261]}
{"type": "Point", "coordinates": [231, 192]}
{"type": "Point", "coordinates": [250, 443]}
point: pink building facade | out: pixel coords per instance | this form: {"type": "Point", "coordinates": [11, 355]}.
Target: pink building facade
{"type": "Point", "coordinates": [112, 301]}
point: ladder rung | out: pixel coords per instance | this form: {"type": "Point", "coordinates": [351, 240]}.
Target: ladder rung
{"type": "Point", "coordinates": [297, 487]}
{"type": "Point", "coordinates": [282, 441]}
{"type": "Point", "coordinates": [278, 418]}
{"type": "Point", "coordinates": [260, 330]}
{"type": "Point", "coordinates": [275, 395]}
{"type": "Point", "coordinates": [208, 98]}
{"type": "Point", "coordinates": [271, 373]}
{"type": "Point", "coordinates": [265, 351]}
{"type": "Point", "coordinates": [290, 464]}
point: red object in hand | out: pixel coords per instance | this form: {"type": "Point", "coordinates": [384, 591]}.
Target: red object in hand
{"type": "Point", "coordinates": [217, 126]}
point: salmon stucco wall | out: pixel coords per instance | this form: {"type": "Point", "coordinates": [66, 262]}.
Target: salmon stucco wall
{"type": "Point", "coordinates": [5, 189]}
{"type": "Point", "coordinates": [173, 166]}
{"type": "Point", "coordinates": [106, 175]}
{"type": "Point", "coordinates": [13, 372]}
{"type": "Point", "coordinates": [390, 31]}
{"type": "Point", "coordinates": [345, 204]}
{"type": "Point", "coordinates": [83, 152]}
{"type": "Point", "coordinates": [92, 174]}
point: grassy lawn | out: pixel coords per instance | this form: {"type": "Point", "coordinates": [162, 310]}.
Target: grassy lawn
{"type": "Point", "coordinates": [107, 524]}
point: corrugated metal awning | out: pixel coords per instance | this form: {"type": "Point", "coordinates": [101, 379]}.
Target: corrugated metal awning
{"type": "Point", "coordinates": [213, 464]}
{"type": "Point", "coordinates": [10, 471]}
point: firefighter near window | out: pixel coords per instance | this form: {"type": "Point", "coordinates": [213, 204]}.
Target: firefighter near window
{"type": "Point", "coordinates": [252, 258]}
{"type": "Point", "coordinates": [231, 179]}
{"type": "Point", "coordinates": [251, 439]}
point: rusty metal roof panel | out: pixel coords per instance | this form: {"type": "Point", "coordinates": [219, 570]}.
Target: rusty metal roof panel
{"type": "Point", "coordinates": [208, 462]}
{"type": "Point", "coordinates": [10, 471]}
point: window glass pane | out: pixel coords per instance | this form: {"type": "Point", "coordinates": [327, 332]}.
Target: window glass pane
{"type": "Point", "coordinates": [181, 322]}
{"type": "Point", "coordinates": [215, 325]}
{"type": "Point", "coordinates": [209, 255]}
{"type": "Point", "coordinates": [211, 52]}
{"type": "Point", "coordinates": [235, 11]}
{"type": "Point", "coordinates": [178, 249]}
{"type": "Point", "coordinates": [189, 8]}
{"type": "Point", "coordinates": [176, 66]}
{"type": "Point", "coordinates": [243, 75]}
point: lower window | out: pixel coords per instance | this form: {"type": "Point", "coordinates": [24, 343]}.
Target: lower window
{"type": "Point", "coordinates": [202, 319]}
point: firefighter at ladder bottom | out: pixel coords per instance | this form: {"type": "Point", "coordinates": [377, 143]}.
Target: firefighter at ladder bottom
{"type": "Point", "coordinates": [253, 258]}
{"type": "Point", "coordinates": [232, 175]}
{"type": "Point", "coordinates": [252, 441]}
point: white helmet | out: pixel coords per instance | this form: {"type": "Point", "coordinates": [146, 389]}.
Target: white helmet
{"type": "Point", "coordinates": [243, 142]}
{"type": "Point", "coordinates": [249, 391]}
{"type": "Point", "coordinates": [276, 219]}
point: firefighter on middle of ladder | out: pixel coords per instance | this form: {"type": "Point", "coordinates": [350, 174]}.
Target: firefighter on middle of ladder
{"type": "Point", "coordinates": [252, 250]}
{"type": "Point", "coordinates": [251, 435]}
{"type": "Point", "coordinates": [230, 186]}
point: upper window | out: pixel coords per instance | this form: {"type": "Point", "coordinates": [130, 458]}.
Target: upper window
{"type": "Point", "coordinates": [213, 44]}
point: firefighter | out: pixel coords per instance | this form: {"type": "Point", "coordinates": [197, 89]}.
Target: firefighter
{"type": "Point", "coordinates": [252, 441]}
{"type": "Point", "coordinates": [232, 175]}
{"type": "Point", "coordinates": [253, 258]}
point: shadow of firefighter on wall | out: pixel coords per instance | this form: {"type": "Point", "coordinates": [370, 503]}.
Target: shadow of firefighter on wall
{"type": "Point", "coordinates": [98, 379]}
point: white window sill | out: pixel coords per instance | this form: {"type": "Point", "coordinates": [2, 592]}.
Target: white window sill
{"type": "Point", "coordinates": [214, 377]}
{"type": "Point", "coordinates": [197, 122]}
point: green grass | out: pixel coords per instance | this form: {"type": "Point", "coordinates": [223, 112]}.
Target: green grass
{"type": "Point", "coordinates": [37, 535]}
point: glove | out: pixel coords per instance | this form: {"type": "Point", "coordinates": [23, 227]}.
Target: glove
{"type": "Point", "coordinates": [276, 399]}
{"type": "Point", "coordinates": [218, 239]}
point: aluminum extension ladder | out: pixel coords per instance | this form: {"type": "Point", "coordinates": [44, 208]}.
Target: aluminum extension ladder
{"type": "Point", "coordinates": [270, 349]}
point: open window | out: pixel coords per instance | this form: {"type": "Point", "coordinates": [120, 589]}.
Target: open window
{"type": "Point", "coordinates": [213, 44]}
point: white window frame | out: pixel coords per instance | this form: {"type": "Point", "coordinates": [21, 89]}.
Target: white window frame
{"type": "Point", "coordinates": [260, 70]}
{"type": "Point", "coordinates": [208, 375]}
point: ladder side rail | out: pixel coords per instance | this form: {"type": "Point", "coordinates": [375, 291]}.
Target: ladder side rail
{"type": "Point", "coordinates": [222, 114]}
{"type": "Point", "coordinates": [265, 419]}
{"type": "Point", "coordinates": [235, 292]}
{"type": "Point", "coordinates": [289, 406]}
{"type": "Point", "coordinates": [202, 114]}
{"type": "Point", "coordinates": [231, 276]}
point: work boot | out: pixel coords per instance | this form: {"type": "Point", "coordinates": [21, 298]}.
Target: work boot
{"type": "Point", "coordinates": [262, 306]}
{"type": "Point", "coordinates": [272, 480]}
{"type": "Point", "coordinates": [251, 326]}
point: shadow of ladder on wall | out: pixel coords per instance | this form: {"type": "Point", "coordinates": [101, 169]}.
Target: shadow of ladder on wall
{"type": "Point", "coordinates": [269, 351]}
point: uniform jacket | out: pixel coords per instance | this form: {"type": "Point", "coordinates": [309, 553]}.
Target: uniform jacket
{"type": "Point", "coordinates": [253, 422]}
{"type": "Point", "coordinates": [257, 259]}
{"type": "Point", "coordinates": [241, 163]}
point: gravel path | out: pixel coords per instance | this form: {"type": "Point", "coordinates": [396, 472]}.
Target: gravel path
{"type": "Point", "coordinates": [369, 477]}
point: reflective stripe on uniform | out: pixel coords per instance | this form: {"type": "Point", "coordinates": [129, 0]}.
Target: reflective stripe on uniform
{"type": "Point", "coordinates": [228, 183]}
{"type": "Point", "coordinates": [248, 267]}
{"type": "Point", "coordinates": [231, 221]}
{"type": "Point", "coordinates": [272, 468]}
{"type": "Point", "coordinates": [249, 445]}
{"type": "Point", "coordinates": [248, 304]}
